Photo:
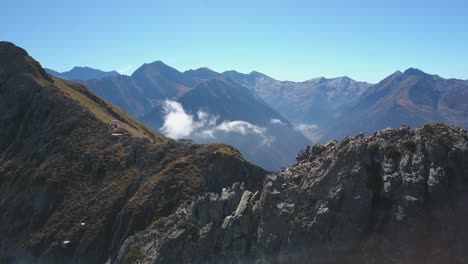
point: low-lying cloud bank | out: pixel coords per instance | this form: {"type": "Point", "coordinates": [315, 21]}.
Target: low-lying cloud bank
{"type": "Point", "coordinates": [275, 121]}
{"type": "Point", "coordinates": [310, 131]}
{"type": "Point", "coordinates": [180, 124]}
{"type": "Point", "coordinates": [177, 124]}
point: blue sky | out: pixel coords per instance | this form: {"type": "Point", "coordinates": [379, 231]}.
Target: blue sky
{"type": "Point", "coordinates": [289, 40]}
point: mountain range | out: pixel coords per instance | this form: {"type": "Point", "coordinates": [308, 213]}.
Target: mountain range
{"type": "Point", "coordinates": [82, 73]}
{"type": "Point", "coordinates": [411, 97]}
{"type": "Point", "coordinates": [244, 121]}
{"type": "Point", "coordinates": [335, 108]}
{"type": "Point", "coordinates": [73, 186]}
{"type": "Point", "coordinates": [241, 118]}
{"type": "Point", "coordinates": [320, 109]}
{"type": "Point", "coordinates": [82, 181]}
{"type": "Point", "coordinates": [313, 101]}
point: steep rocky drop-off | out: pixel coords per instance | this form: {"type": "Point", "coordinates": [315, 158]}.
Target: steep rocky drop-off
{"type": "Point", "coordinates": [398, 196]}
{"type": "Point", "coordinates": [72, 188]}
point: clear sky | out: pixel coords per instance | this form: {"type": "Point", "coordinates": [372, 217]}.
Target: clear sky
{"type": "Point", "coordinates": [289, 40]}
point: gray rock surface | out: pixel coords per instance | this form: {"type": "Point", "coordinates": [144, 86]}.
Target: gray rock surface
{"type": "Point", "coordinates": [398, 196]}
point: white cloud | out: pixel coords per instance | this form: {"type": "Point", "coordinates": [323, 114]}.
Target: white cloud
{"type": "Point", "coordinates": [177, 123]}
{"type": "Point", "coordinates": [241, 127]}
{"type": "Point", "coordinates": [275, 121]}
{"type": "Point", "coordinates": [180, 124]}
{"type": "Point", "coordinates": [310, 131]}
{"type": "Point", "coordinates": [125, 70]}
{"type": "Point", "coordinates": [207, 133]}
{"type": "Point", "coordinates": [206, 119]}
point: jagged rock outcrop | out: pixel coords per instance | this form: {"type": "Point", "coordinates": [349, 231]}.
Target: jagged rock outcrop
{"type": "Point", "coordinates": [73, 186]}
{"type": "Point", "coordinates": [398, 196]}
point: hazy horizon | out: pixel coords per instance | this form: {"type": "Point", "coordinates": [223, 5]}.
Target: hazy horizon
{"type": "Point", "coordinates": [129, 73]}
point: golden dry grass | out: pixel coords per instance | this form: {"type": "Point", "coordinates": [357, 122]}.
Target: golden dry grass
{"type": "Point", "coordinates": [105, 113]}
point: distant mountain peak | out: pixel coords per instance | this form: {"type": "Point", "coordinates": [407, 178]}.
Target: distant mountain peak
{"type": "Point", "coordinates": [155, 66]}
{"type": "Point", "coordinates": [81, 68]}
{"type": "Point", "coordinates": [200, 70]}
{"type": "Point", "coordinates": [231, 72]}
{"type": "Point", "coordinates": [204, 69]}
{"type": "Point", "coordinates": [81, 73]}
{"type": "Point", "coordinates": [393, 75]}
{"type": "Point", "coordinates": [319, 80]}
{"type": "Point", "coordinates": [157, 63]}
{"type": "Point", "coordinates": [256, 73]}
{"type": "Point", "coordinates": [416, 72]}
{"type": "Point", "coordinates": [343, 78]}
{"type": "Point", "coordinates": [259, 74]}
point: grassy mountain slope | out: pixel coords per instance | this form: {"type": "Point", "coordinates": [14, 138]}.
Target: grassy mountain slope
{"type": "Point", "coordinates": [70, 190]}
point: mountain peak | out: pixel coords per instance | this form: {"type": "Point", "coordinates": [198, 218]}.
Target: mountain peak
{"type": "Point", "coordinates": [7, 47]}
{"type": "Point", "coordinates": [16, 60]}
{"type": "Point", "coordinates": [231, 72]}
{"type": "Point", "coordinates": [81, 68]}
{"type": "Point", "coordinates": [202, 70]}
{"type": "Point", "coordinates": [415, 72]}
{"type": "Point", "coordinates": [81, 73]}
{"type": "Point", "coordinates": [256, 73]}
{"type": "Point", "coordinates": [195, 77]}
{"type": "Point", "coordinates": [91, 70]}
{"type": "Point", "coordinates": [344, 77]}
{"type": "Point", "coordinates": [156, 66]}
{"type": "Point", "coordinates": [153, 65]}
{"type": "Point", "coordinates": [393, 75]}
{"type": "Point", "coordinates": [157, 63]}
{"type": "Point", "coordinates": [319, 80]}
{"type": "Point", "coordinates": [259, 74]}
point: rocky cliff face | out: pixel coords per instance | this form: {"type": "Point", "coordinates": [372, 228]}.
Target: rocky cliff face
{"type": "Point", "coordinates": [398, 196]}
{"type": "Point", "coordinates": [72, 187]}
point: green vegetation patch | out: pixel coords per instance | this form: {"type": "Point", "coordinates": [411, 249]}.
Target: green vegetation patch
{"type": "Point", "coordinates": [225, 149]}
{"type": "Point", "coordinates": [410, 145]}
{"type": "Point", "coordinates": [183, 224]}
{"type": "Point", "coordinates": [134, 254]}
{"type": "Point", "coordinates": [392, 151]}
{"type": "Point", "coordinates": [159, 223]}
{"type": "Point", "coordinates": [373, 146]}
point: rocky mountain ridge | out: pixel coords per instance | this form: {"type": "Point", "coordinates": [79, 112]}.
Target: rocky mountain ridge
{"type": "Point", "coordinates": [398, 196]}
{"type": "Point", "coordinates": [79, 175]}
{"type": "Point", "coordinates": [82, 74]}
